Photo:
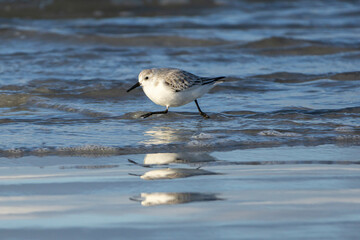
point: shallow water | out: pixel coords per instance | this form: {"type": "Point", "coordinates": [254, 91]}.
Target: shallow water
{"type": "Point", "coordinates": [291, 99]}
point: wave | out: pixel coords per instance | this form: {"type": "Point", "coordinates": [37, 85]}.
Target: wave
{"type": "Point", "coordinates": [100, 9]}
{"type": "Point", "coordinates": [268, 139]}
{"type": "Point", "coordinates": [289, 77]}
{"type": "Point", "coordinates": [287, 127]}
{"type": "Point", "coordinates": [13, 100]}
{"type": "Point", "coordinates": [141, 39]}
{"type": "Point", "coordinates": [274, 46]}
{"type": "Point", "coordinates": [276, 42]}
{"type": "Point", "coordinates": [58, 88]}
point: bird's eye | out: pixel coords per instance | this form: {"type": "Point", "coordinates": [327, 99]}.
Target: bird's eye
{"type": "Point", "coordinates": [146, 78]}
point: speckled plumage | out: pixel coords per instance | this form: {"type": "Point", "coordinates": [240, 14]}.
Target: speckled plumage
{"type": "Point", "coordinates": [172, 87]}
{"type": "Point", "coordinates": [180, 80]}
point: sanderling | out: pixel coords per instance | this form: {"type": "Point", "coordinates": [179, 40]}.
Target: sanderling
{"type": "Point", "coordinates": [171, 87]}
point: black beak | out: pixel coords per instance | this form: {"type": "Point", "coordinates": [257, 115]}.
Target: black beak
{"type": "Point", "coordinates": [135, 86]}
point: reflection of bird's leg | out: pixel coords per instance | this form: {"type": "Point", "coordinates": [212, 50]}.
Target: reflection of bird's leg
{"type": "Point", "coordinates": [133, 174]}
{"type": "Point", "coordinates": [139, 164]}
{"type": "Point", "coordinates": [201, 112]}
{"type": "Point", "coordinates": [151, 113]}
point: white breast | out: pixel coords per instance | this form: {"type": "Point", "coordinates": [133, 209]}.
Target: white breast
{"type": "Point", "coordinates": [161, 94]}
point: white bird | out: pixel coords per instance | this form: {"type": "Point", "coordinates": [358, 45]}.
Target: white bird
{"type": "Point", "coordinates": [172, 87]}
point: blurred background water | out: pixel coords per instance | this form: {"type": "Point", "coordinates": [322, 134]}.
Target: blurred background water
{"type": "Point", "coordinates": [293, 89]}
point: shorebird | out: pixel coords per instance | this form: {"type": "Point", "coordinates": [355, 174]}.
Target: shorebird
{"type": "Point", "coordinates": [172, 87]}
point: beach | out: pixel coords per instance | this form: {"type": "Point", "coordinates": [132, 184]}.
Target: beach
{"type": "Point", "coordinates": [277, 159]}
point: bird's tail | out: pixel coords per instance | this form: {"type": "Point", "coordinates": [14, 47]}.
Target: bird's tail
{"type": "Point", "coordinates": [211, 80]}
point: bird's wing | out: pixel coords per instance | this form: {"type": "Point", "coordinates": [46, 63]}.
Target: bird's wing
{"type": "Point", "coordinates": [181, 80]}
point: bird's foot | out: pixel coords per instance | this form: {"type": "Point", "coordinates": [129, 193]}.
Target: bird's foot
{"type": "Point", "coordinates": [146, 115]}
{"type": "Point", "coordinates": [151, 113]}
{"type": "Point", "coordinates": [204, 115]}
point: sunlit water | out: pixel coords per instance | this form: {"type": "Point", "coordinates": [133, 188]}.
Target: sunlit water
{"type": "Point", "coordinates": [291, 99]}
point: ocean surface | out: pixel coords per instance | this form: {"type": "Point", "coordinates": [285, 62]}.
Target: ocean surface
{"type": "Point", "coordinates": [278, 158]}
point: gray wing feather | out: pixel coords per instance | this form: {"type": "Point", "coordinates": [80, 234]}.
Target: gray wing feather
{"type": "Point", "coordinates": [181, 80]}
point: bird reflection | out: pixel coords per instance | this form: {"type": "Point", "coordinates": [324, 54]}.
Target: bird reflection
{"type": "Point", "coordinates": [171, 173]}
{"type": "Point", "coordinates": [151, 160]}
{"type": "Point", "coordinates": [165, 135]}
{"type": "Point", "coordinates": [153, 199]}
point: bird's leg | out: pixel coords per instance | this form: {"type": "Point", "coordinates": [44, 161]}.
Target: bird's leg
{"type": "Point", "coordinates": [151, 113]}
{"type": "Point", "coordinates": [201, 112]}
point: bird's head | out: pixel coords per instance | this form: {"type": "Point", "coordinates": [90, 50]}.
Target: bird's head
{"type": "Point", "coordinates": [145, 78]}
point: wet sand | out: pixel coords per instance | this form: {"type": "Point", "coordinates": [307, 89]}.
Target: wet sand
{"type": "Point", "coordinates": [265, 193]}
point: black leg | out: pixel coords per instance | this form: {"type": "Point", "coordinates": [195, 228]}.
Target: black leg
{"type": "Point", "coordinates": [151, 113]}
{"type": "Point", "coordinates": [201, 112]}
